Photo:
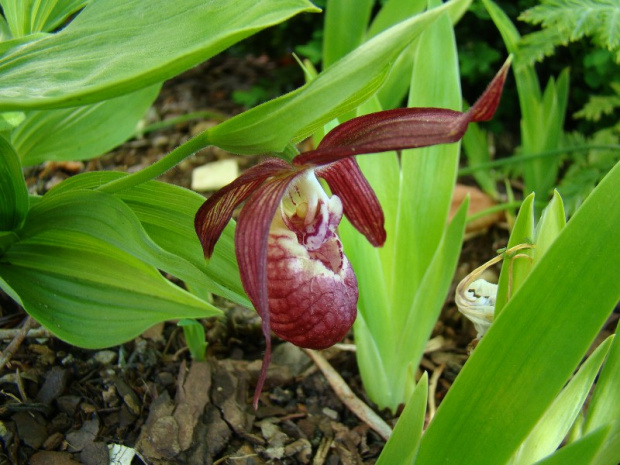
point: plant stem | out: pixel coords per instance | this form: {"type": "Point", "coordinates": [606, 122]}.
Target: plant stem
{"type": "Point", "coordinates": [213, 115]}
{"type": "Point", "coordinates": [158, 168]}
{"type": "Point", "coordinates": [517, 159]}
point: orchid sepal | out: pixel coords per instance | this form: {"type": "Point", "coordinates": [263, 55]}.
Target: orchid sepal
{"type": "Point", "coordinates": [286, 245]}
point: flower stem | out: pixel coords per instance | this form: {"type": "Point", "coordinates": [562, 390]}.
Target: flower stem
{"type": "Point", "coordinates": [159, 167]}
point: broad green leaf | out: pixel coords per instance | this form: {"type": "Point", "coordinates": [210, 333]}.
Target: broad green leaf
{"type": "Point", "coordinates": [345, 26]}
{"type": "Point", "coordinates": [112, 48]}
{"type": "Point", "coordinates": [13, 43]}
{"type": "Point", "coordinates": [557, 420]}
{"type": "Point", "coordinates": [31, 16]}
{"type": "Point", "coordinates": [81, 132]}
{"type": "Point", "coordinates": [578, 452]}
{"type": "Point", "coordinates": [341, 88]}
{"type": "Point", "coordinates": [13, 191]}
{"type": "Point", "coordinates": [167, 214]}
{"type": "Point", "coordinates": [533, 347]}
{"type": "Point", "coordinates": [402, 445]}
{"type": "Point", "coordinates": [108, 219]}
{"type": "Point", "coordinates": [515, 270]}
{"type": "Point", "coordinates": [90, 293]}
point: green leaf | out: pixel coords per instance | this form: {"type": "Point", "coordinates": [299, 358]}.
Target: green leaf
{"type": "Point", "coordinates": [551, 222]}
{"type": "Point", "coordinates": [515, 270]}
{"type": "Point", "coordinates": [604, 408]}
{"type": "Point", "coordinates": [581, 451]}
{"type": "Point", "coordinates": [31, 16]}
{"type": "Point", "coordinates": [557, 420]}
{"type": "Point", "coordinates": [339, 40]}
{"type": "Point", "coordinates": [13, 191]}
{"type": "Point", "coordinates": [108, 219]}
{"type": "Point", "coordinates": [82, 132]}
{"type": "Point", "coordinates": [11, 119]}
{"type": "Point", "coordinates": [194, 334]}
{"type": "Point", "coordinates": [167, 214]}
{"type": "Point", "coordinates": [476, 149]}
{"type": "Point", "coordinates": [115, 47]}
{"type": "Point", "coordinates": [341, 88]}
{"type": "Point", "coordinates": [90, 293]}
{"type": "Point", "coordinates": [542, 334]}
{"type": "Point", "coordinates": [402, 445]}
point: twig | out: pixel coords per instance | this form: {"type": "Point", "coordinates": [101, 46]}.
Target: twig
{"type": "Point", "coordinates": [7, 353]}
{"type": "Point", "coordinates": [346, 395]}
{"type": "Point", "coordinates": [32, 333]}
{"type": "Point", "coordinates": [432, 389]}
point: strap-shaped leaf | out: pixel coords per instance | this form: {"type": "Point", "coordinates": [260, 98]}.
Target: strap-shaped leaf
{"type": "Point", "coordinates": [341, 88]}
{"type": "Point", "coordinates": [542, 333]}
{"type": "Point", "coordinates": [114, 47]}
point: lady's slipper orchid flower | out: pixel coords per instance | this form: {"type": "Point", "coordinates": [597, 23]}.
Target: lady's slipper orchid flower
{"type": "Point", "coordinates": [291, 261]}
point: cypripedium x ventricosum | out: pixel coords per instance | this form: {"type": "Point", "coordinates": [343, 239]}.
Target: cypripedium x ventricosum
{"type": "Point", "coordinates": [291, 261]}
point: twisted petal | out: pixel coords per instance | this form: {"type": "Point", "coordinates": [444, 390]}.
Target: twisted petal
{"type": "Point", "coordinates": [218, 209]}
{"type": "Point", "coordinates": [403, 128]}
{"type": "Point", "coordinates": [251, 236]}
{"type": "Point", "coordinates": [359, 201]}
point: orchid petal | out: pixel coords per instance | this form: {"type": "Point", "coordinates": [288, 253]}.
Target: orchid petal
{"type": "Point", "coordinates": [403, 128]}
{"type": "Point", "coordinates": [216, 212]}
{"type": "Point", "coordinates": [359, 201]}
{"type": "Point", "coordinates": [251, 237]}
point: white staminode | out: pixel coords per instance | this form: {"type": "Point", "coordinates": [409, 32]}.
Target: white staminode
{"type": "Point", "coordinates": [307, 210]}
{"type": "Point", "coordinates": [477, 303]}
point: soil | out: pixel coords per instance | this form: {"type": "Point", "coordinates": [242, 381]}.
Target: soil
{"type": "Point", "coordinates": [64, 405]}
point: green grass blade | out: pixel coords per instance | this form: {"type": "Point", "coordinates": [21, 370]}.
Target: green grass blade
{"type": "Point", "coordinates": [532, 348]}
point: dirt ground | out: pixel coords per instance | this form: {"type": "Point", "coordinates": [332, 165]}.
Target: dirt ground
{"type": "Point", "coordinates": [63, 405]}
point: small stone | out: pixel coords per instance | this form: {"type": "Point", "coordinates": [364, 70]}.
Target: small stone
{"type": "Point", "coordinates": [214, 175]}
{"type": "Point", "coordinates": [330, 413]}
{"type": "Point", "coordinates": [105, 357]}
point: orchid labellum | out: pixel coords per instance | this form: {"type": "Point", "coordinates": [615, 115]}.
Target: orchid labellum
{"type": "Point", "coordinates": [291, 261]}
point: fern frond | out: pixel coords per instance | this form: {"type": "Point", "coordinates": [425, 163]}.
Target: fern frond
{"type": "Point", "coordinates": [571, 20]}
{"type": "Point", "coordinates": [599, 105]}
{"type": "Point", "coordinates": [538, 45]}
